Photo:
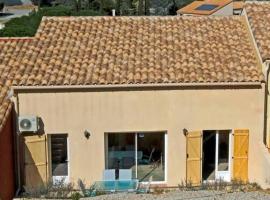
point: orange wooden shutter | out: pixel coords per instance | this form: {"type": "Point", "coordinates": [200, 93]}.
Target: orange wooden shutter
{"type": "Point", "coordinates": [35, 161]}
{"type": "Point", "coordinates": [193, 165]}
{"type": "Point", "coordinates": [240, 155]}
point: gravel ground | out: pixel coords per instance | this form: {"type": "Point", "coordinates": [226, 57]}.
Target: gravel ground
{"type": "Point", "coordinates": [186, 195]}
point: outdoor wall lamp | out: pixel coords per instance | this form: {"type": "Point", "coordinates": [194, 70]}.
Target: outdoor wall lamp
{"type": "Point", "coordinates": [87, 134]}
{"type": "Point", "coordinates": [185, 132]}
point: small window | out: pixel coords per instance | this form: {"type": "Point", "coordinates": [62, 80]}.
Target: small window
{"type": "Point", "coordinates": [59, 155]}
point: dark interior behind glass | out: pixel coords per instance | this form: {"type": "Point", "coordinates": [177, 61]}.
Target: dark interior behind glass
{"type": "Point", "coordinates": [59, 155]}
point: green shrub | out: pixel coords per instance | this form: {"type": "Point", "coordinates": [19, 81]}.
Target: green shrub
{"type": "Point", "coordinates": [76, 196]}
{"type": "Point", "coordinates": [56, 11]}
{"type": "Point", "coordinates": [86, 13]}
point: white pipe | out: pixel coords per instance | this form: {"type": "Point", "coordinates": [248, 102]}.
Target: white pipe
{"type": "Point", "coordinates": [113, 12]}
{"type": "Point", "coordinates": [267, 135]}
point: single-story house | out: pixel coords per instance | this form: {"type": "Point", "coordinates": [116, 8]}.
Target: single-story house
{"type": "Point", "coordinates": [174, 99]}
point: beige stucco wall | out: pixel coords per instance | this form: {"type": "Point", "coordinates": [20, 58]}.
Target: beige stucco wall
{"type": "Point", "coordinates": [170, 110]}
{"type": "Point", "coordinates": [225, 11]}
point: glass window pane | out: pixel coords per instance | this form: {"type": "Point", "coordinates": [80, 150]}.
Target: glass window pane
{"type": "Point", "coordinates": [223, 151]}
{"type": "Point", "coordinates": [59, 155]}
{"type": "Point", "coordinates": [121, 152]}
{"type": "Point", "coordinates": [209, 155]}
{"type": "Point", "coordinates": [151, 156]}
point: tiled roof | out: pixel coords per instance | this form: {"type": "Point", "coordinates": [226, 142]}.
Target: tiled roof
{"type": "Point", "coordinates": [238, 5]}
{"type": "Point", "coordinates": [138, 50]}
{"type": "Point", "coordinates": [259, 17]}
{"type": "Point", "coordinates": [129, 50]}
{"type": "Point", "coordinates": [8, 48]}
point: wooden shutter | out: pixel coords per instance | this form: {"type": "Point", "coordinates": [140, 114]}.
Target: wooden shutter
{"type": "Point", "coordinates": [193, 166]}
{"type": "Point", "coordinates": [240, 155]}
{"type": "Point", "coordinates": [35, 161]}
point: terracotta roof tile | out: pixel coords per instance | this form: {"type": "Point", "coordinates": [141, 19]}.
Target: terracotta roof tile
{"type": "Point", "coordinates": [259, 18]}
{"type": "Point", "coordinates": [238, 5]}
{"type": "Point", "coordinates": [129, 50]}
{"type": "Point", "coordinates": [132, 50]}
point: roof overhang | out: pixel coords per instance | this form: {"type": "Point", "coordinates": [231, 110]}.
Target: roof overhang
{"type": "Point", "coordinates": [163, 86]}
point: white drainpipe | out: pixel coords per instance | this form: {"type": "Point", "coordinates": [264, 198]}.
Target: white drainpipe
{"type": "Point", "coordinates": [267, 93]}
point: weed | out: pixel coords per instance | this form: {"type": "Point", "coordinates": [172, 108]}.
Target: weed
{"type": "Point", "coordinates": [76, 196]}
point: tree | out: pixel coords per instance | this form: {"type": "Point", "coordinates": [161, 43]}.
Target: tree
{"type": "Point", "coordinates": [173, 8]}
{"type": "Point", "coordinates": [147, 7]}
{"type": "Point", "coordinates": [118, 7]}
{"type": "Point", "coordinates": [101, 3]}
{"type": "Point", "coordinates": [78, 5]}
{"type": "Point", "coordinates": [1, 6]}
{"type": "Point", "coordinates": [141, 7]}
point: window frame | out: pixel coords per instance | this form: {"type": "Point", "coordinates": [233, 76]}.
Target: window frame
{"type": "Point", "coordinates": [165, 132]}
{"type": "Point", "coordinates": [54, 179]}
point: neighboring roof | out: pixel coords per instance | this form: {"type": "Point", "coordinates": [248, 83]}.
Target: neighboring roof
{"type": "Point", "coordinates": [192, 8]}
{"type": "Point", "coordinates": [259, 18]}
{"type": "Point", "coordinates": [129, 50]}
{"type": "Point", "coordinates": [238, 5]}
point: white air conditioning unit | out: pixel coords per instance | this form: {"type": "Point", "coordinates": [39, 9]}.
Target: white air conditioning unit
{"type": "Point", "coordinates": [28, 123]}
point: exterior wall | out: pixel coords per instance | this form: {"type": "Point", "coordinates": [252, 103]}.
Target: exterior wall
{"type": "Point", "coordinates": [7, 176]}
{"type": "Point", "coordinates": [149, 110]}
{"type": "Point", "coordinates": [225, 11]}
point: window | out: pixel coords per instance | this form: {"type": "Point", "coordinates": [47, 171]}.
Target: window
{"type": "Point", "coordinates": [59, 155]}
{"type": "Point", "coordinates": [121, 152]}
{"type": "Point", "coordinates": [143, 153]}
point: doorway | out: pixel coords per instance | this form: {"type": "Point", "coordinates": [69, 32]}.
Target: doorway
{"type": "Point", "coordinates": [216, 155]}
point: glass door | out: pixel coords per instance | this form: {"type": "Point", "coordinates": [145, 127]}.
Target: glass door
{"type": "Point", "coordinates": [223, 152]}
{"type": "Point", "coordinates": [151, 157]}
{"type": "Point", "coordinates": [141, 152]}
{"type": "Point", "coordinates": [121, 152]}
{"type": "Point", "coordinates": [216, 153]}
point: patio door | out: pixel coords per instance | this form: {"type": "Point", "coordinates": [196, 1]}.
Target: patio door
{"type": "Point", "coordinates": [141, 152]}
{"type": "Point", "coordinates": [223, 152]}
{"type": "Point", "coordinates": [216, 155]}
